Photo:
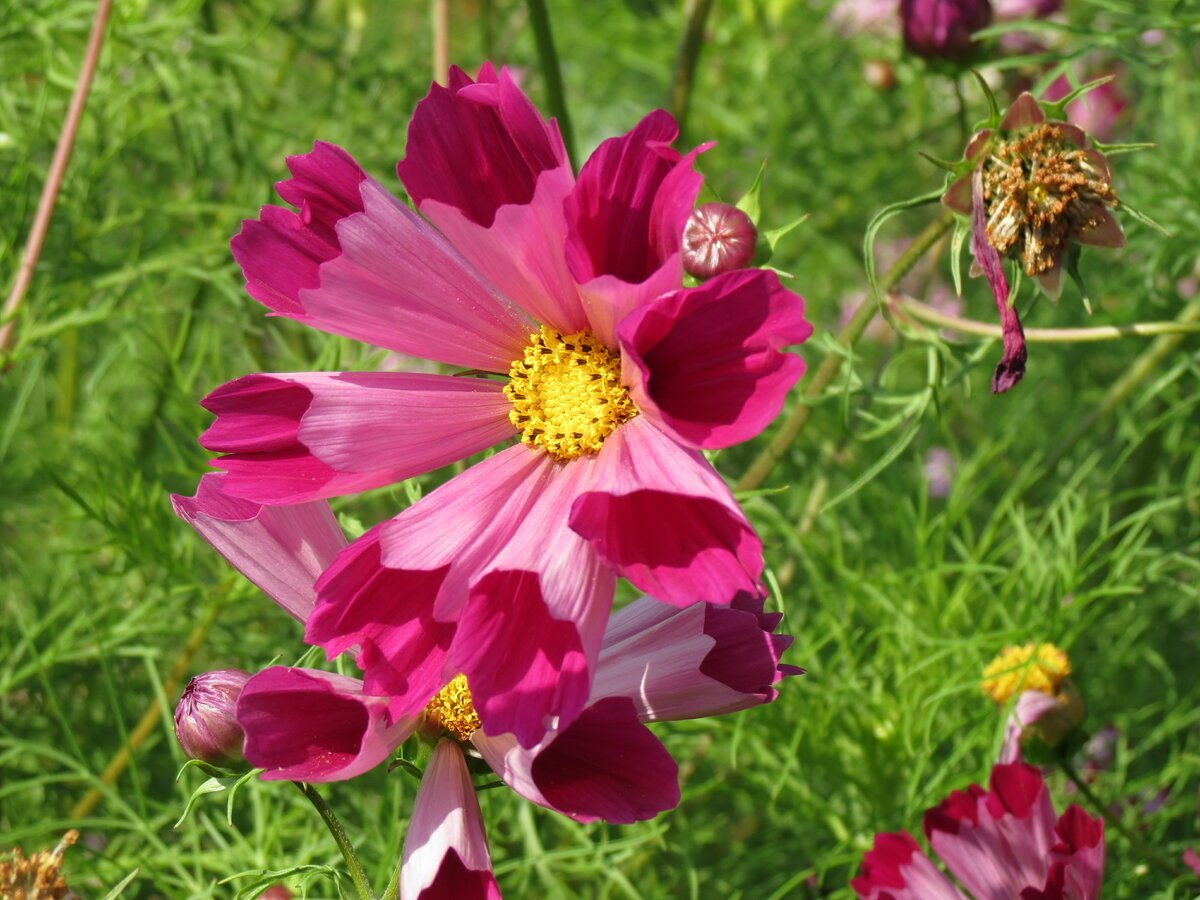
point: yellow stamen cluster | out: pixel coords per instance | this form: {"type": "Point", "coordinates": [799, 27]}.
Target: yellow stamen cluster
{"type": "Point", "coordinates": [1040, 191]}
{"type": "Point", "coordinates": [567, 394]}
{"type": "Point", "coordinates": [453, 710]}
{"type": "Point", "coordinates": [1032, 667]}
{"type": "Point", "coordinates": [40, 876]}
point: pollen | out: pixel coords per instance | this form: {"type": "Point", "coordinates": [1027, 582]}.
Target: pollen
{"type": "Point", "coordinates": [566, 393]}
{"type": "Point", "coordinates": [1041, 190]}
{"type": "Point", "coordinates": [1032, 667]}
{"type": "Point", "coordinates": [453, 710]}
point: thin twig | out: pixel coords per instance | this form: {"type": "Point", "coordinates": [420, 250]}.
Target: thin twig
{"type": "Point", "coordinates": [925, 313]}
{"type": "Point", "coordinates": [832, 363]}
{"type": "Point", "coordinates": [691, 41]}
{"type": "Point", "coordinates": [539, 18]}
{"type": "Point", "coordinates": [54, 178]}
{"type": "Point", "coordinates": [357, 873]}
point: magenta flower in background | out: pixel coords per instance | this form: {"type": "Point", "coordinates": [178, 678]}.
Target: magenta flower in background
{"type": "Point", "coordinates": [1098, 112]}
{"type": "Point", "coordinates": [612, 377]}
{"type": "Point", "coordinates": [1000, 843]}
{"type": "Point", "coordinates": [943, 29]}
{"type": "Point", "coordinates": [658, 662]}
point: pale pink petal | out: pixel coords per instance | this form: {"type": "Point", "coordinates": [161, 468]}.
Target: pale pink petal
{"type": "Point", "coordinates": [708, 363]}
{"type": "Point", "coordinates": [309, 725]}
{"type": "Point", "coordinates": [701, 660]}
{"type": "Point", "coordinates": [445, 851]}
{"type": "Point", "coordinates": [896, 869]}
{"type": "Point", "coordinates": [1024, 112]}
{"type": "Point", "coordinates": [996, 842]}
{"type": "Point", "coordinates": [664, 519]}
{"type": "Point", "coordinates": [296, 437]}
{"type": "Point", "coordinates": [400, 285]}
{"type": "Point", "coordinates": [1106, 233]}
{"type": "Point", "coordinates": [283, 550]}
{"type": "Point", "coordinates": [281, 252]}
{"type": "Point", "coordinates": [604, 765]}
{"type": "Point", "coordinates": [1031, 706]}
{"type": "Point", "coordinates": [530, 634]}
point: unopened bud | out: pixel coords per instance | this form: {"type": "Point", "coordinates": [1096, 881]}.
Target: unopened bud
{"type": "Point", "coordinates": [879, 74]}
{"type": "Point", "coordinates": [205, 721]}
{"type": "Point", "coordinates": [717, 238]}
{"type": "Point", "coordinates": [942, 29]}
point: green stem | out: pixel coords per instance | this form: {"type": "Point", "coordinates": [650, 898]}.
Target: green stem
{"type": "Point", "coordinates": [357, 874]}
{"type": "Point", "coordinates": [1136, 840]}
{"type": "Point", "coordinates": [832, 363]}
{"type": "Point", "coordinates": [691, 41]}
{"type": "Point", "coordinates": [928, 314]}
{"type": "Point", "coordinates": [539, 18]}
{"type": "Point", "coordinates": [393, 888]}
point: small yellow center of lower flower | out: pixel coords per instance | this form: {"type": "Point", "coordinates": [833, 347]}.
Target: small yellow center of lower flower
{"type": "Point", "coordinates": [1032, 667]}
{"type": "Point", "coordinates": [566, 393]}
{"type": "Point", "coordinates": [453, 710]}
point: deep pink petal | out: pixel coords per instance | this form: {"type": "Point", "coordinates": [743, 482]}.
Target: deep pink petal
{"type": "Point", "coordinates": [281, 252]}
{"type": "Point", "coordinates": [997, 842]}
{"type": "Point", "coordinates": [664, 519]}
{"type": "Point", "coordinates": [604, 765]}
{"type": "Point", "coordinates": [1080, 850]}
{"type": "Point", "coordinates": [478, 146]}
{"type": "Point", "coordinates": [700, 660]}
{"type": "Point", "coordinates": [896, 869]}
{"type": "Point", "coordinates": [283, 550]}
{"type": "Point", "coordinates": [445, 851]}
{"type": "Point", "coordinates": [709, 362]}
{"type": "Point", "coordinates": [309, 725]}
{"type": "Point", "coordinates": [292, 438]}
{"type": "Point", "coordinates": [400, 285]}
{"type": "Point", "coordinates": [1011, 368]}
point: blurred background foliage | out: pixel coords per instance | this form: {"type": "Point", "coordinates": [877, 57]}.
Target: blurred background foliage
{"type": "Point", "coordinates": [1064, 516]}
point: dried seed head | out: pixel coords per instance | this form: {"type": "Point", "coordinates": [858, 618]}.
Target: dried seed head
{"type": "Point", "coordinates": [40, 876]}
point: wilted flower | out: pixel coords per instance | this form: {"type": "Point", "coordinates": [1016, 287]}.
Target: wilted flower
{"type": "Point", "coordinates": [611, 375]}
{"type": "Point", "coordinates": [40, 876]}
{"type": "Point", "coordinates": [1048, 707]}
{"type": "Point", "coordinates": [1097, 112]}
{"type": "Point", "coordinates": [717, 238]}
{"type": "Point", "coordinates": [1000, 843]}
{"type": "Point", "coordinates": [943, 29]}
{"type": "Point", "coordinates": [205, 717]}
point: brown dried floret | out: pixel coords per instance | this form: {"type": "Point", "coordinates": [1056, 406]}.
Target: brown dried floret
{"type": "Point", "coordinates": [39, 877]}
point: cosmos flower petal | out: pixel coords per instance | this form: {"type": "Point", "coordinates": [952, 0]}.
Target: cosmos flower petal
{"type": "Point", "coordinates": [896, 869]}
{"type": "Point", "coordinates": [1080, 852]}
{"type": "Point", "coordinates": [1106, 233]}
{"type": "Point", "coordinates": [996, 842]}
{"type": "Point", "coordinates": [281, 252]}
{"type": "Point", "coordinates": [298, 437]}
{"type": "Point", "coordinates": [342, 732]}
{"type": "Point", "coordinates": [282, 550]}
{"type": "Point", "coordinates": [1030, 706]}
{"type": "Point", "coordinates": [664, 519]}
{"type": "Point", "coordinates": [400, 285]}
{"type": "Point", "coordinates": [690, 662]}
{"type": "Point", "coordinates": [445, 850]}
{"type": "Point", "coordinates": [1011, 368]}
{"type": "Point", "coordinates": [708, 363]}
{"type": "Point", "coordinates": [1025, 112]}
{"type": "Point", "coordinates": [605, 765]}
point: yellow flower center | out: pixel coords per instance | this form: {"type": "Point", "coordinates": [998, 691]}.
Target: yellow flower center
{"type": "Point", "coordinates": [566, 393]}
{"type": "Point", "coordinates": [453, 710]}
{"type": "Point", "coordinates": [1033, 667]}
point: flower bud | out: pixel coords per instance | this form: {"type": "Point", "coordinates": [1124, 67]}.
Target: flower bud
{"type": "Point", "coordinates": [717, 238]}
{"type": "Point", "coordinates": [942, 29]}
{"type": "Point", "coordinates": [205, 722]}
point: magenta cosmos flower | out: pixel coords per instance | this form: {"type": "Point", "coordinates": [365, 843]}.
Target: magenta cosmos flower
{"type": "Point", "coordinates": [657, 662]}
{"type": "Point", "coordinates": [1001, 844]}
{"type": "Point", "coordinates": [609, 375]}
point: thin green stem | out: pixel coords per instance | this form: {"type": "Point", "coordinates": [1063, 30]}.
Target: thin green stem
{"type": "Point", "coordinates": [358, 874]}
{"type": "Point", "coordinates": [691, 42]}
{"type": "Point", "coordinates": [831, 365]}
{"type": "Point", "coordinates": [539, 18]}
{"type": "Point", "coordinates": [393, 888]}
{"type": "Point", "coordinates": [1136, 840]}
{"type": "Point", "coordinates": [928, 314]}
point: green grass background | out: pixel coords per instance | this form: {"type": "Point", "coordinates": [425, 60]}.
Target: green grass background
{"type": "Point", "coordinates": [896, 599]}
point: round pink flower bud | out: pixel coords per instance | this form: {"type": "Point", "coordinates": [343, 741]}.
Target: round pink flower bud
{"type": "Point", "coordinates": [942, 29]}
{"type": "Point", "coordinates": [205, 724]}
{"type": "Point", "coordinates": [717, 238]}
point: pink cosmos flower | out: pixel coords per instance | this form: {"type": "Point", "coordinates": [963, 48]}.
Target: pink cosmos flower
{"type": "Point", "coordinates": [611, 377]}
{"type": "Point", "coordinates": [657, 662]}
{"type": "Point", "coordinates": [1001, 843]}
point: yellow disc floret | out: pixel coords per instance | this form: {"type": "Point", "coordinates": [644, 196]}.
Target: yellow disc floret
{"type": "Point", "coordinates": [567, 394]}
{"type": "Point", "coordinates": [1032, 667]}
{"type": "Point", "coordinates": [453, 710]}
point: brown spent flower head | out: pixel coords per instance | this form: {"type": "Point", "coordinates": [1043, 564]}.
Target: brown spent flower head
{"type": "Point", "coordinates": [40, 876]}
{"type": "Point", "coordinates": [1044, 185]}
